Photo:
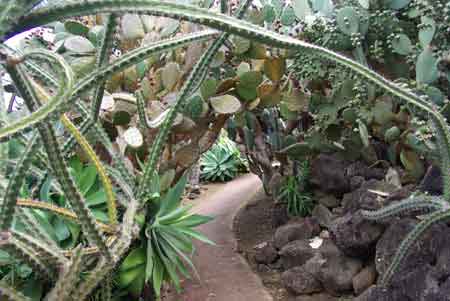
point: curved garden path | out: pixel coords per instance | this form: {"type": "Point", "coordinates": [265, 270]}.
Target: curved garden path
{"type": "Point", "coordinates": [224, 274]}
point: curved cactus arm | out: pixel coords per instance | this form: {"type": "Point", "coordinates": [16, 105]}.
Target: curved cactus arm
{"type": "Point", "coordinates": [19, 250]}
{"type": "Point", "coordinates": [68, 279]}
{"type": "Point", "coordinates": [95, 127]}
{"type": "Point", "coordinates": [33, 226]}
{"type": "Point", "coordinates": [214, 20]}
{"type": "Point", "coordinates": [104, 267]}
{"type": "Point", "coordinates": [117, 158]}
{"type": "Point", "coordinates": [39, 174]}
{"type": "Point", "coordinates": [101, 270]}
{"type": "Point", "coordinates": [106, 288]}
{"type": "Point", "coordinates": [234, 26]}
{"type": "Point", "coordinates": [191, 84]}
{"type": "Point", "coordinates": [53, 104]}
{"type": "Point", "coordinates": [39, 154]}
{"type": "Point", "coordinates": [414, 203]}
{"type": "Point", "coordinates": [9, 10]}
{"type": "Point", "coordinates": [62, 212]}
{"type": "Point", "coordinates": [110, 199]}
{"type": "Point", "coordinates": [51, 254]}
{"type": "Point", "coordinates": [103, 59]}
{"type": "Point", "coordinates": [106, 182]}
{"type": "Point", "coordinates": [443, 136]}
{"type": "Point", "coordinates": [57, 162]}
{"type": "Point", "coordinates": [11, 293]}
{"type": "Point", "coordinates": [141, 108]}
{"type": "Point", "coordinates": [15, 184]}
{"type": "Point", "coordinates": [409, 241]}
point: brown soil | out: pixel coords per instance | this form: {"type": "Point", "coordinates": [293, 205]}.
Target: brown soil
{"type": "Point", "coordinates": [224, 274]}
{"type": "Point", "coordinates": [256, 223]}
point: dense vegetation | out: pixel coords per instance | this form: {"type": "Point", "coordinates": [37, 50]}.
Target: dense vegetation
{"type": "Point", "coordinates": [128, 95]}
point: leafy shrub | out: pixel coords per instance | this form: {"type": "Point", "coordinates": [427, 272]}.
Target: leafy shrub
{"type": "Point", "coordinates": [299, 203]}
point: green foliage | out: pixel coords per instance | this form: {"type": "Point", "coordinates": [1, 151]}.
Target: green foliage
{"type": "Point", "coordinates": [222, 161]}
{"type": "Point", "coordinates": [293, 191]}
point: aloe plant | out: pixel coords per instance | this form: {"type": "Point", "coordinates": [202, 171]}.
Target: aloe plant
{"type": "Point", "coordinates": [36, 72]}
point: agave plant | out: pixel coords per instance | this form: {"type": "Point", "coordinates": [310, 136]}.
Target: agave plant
{"type": "Point", "coordinates": [49, 88]}
{"type": "Point", "coordinates": [168, 244]}
{"type": "Point", "coordinates": [222, 161]}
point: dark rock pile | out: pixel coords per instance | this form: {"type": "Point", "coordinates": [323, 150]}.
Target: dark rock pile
{"type": "Point", "coordinates": [336, 252]}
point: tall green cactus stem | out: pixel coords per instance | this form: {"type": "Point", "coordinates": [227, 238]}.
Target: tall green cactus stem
{"type": "Point", "coordinates": [410, 240]}
{"type": "Point", "coordinates": [15, 183]}
{"type": "Point", "coordinates": [33, 226]}
{"type": "Point", "coordinates": [107, 186]}
{"type": "Point", "coordinates": [412, 204]}
{"type": "Point", "coordinates": [117, 158]}
{"type": "Point", "coordinates": [106, 289]}
{"type": "Point", "coordinates": [191, 83]}
{"type": "Point", "coordinates": [240, 28]}
{"type": "Point", "coordinates": [53, 104]}
{"type": "Point", "coordinates": [10, 10]}
{"type": "Point", "coordinates": [62, 212]}
{"type": "Point", "coordinates": [102, 60]}
{"type": "Point", "coordinates": [110, 199]}
{"type": "Point", "coordinates": [67, 281]}
{"type": "Point", "coordinates": [48, 253]}
{"type": "Point", "coordinates": [57, 162]}
{"type": "Point", "coordinates": [11, 293]}
{"type": "Point", "coordinates": [104, 267]}
{"type": "Point", "coordinates": [20, 251]}
{"type": "Point", "coordinates": [141, 108]}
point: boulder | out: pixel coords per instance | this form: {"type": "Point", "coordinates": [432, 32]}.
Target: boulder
{"type": "Point", "coordinates": [432, 181]}
{"type": "Point", "coordinates": [265, 253]}
{"type": "Point", "coordinates": [356, 182]}
{"type": "Point", "coordinates": [296, 253]}
{"type": "Point", "coordinates": [364, 279]}
{"type": "Point", "coordinates": [328, 174]}
{"type": "Point", "coordinates": [354, 235]}
{"type": "Point", "coordinates": [298, 281]}
{"type": "Point", "coordinates": [376, 293]}
{"type": "Point", "coordinates": [363, 198]}
{"type": "Point", "coordinates": [337, 272]}
{"type": "Point", "coordinates": [329, 201]}
{"type": "Point", "coordinates": [304, 229]}
{"type": "Point", "coordinates": [322, 215]}
{"type": "Point", "coordinates": [425, 251]}
{"type": "Point", "coordinates": [278, 215]}
{"type": "Point", "coordinates": [358, 168]}
{"type": "Point", "coordinates": [316, 297]}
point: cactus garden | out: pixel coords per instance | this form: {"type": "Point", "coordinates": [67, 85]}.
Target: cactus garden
{"type": "Point", "coordinates": [113, 113]}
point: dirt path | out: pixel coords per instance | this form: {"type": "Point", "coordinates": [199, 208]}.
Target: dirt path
{"type": "Point", "coordinates": [224, 274]}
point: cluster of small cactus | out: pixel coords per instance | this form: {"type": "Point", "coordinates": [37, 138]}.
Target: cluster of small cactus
{"type": "Point", "coordinates": [288, 97]}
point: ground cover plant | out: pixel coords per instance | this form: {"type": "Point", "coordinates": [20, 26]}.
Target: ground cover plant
{"type": "Point", "coordinates": [97, 83]}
